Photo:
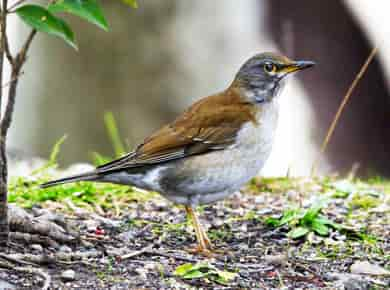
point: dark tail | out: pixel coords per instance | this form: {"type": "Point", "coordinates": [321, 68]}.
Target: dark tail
{"type": "Point", "coordinates": [89, 176]}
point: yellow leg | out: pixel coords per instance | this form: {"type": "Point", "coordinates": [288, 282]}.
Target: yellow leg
{"type": "Point", "coordinates": [204, 244]}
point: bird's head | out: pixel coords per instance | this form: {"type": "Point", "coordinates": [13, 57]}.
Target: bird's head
{"type": "Point", "coordinates": [261, 77]}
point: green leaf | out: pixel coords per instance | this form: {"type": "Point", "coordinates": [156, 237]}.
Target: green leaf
{"type": "Point", "coordinates": [320, 228]}
{"type": "Point", "coordinates": [298, 232]}
{"type": "Point", "coordinates": [189, 271]}
{"type": "Point", "coordinates": [56, 150]}
{"type": "Point", "coordinates": [288, 216]}
{"type": "Point", "coordinates": [85, 9]}
{"type": "Point", "coordinates": [98, 159]}
{"type": "Point", "coordinates": [224, 277]}
{"type": "Point", "coordinates": [325, 221]}
{"type": "Point", "coordinates": [312, 212]}
{"type": "Point", "coordinates": [273, 222]}
{"type": "Point", "coordinates": [42, 20]}
{"type": "Point", "coordinates": [204, 270]}
{"type": "Point", "coordinates": [52, 162]}
{"type": "Point", "coordinates": [132, 3]}
{"type": "Point", "coordinates": [183, 269]}
{"type": "Point", "coordinates": [113, 133]}
{"type": "Point", "coordinates": [195, 274]}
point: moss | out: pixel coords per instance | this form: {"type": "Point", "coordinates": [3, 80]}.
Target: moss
{"type": "Point", "coordinates": [364, 201]}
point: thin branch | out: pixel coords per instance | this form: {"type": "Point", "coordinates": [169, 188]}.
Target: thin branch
{"type": "Point", "coordinates": [11, 80]}
{"type": "Point", "coordinates": [8, 50]}
{"type": "Point", "coordinates": [3, 23]}
{"type": "Point", "coordinates": [341, 108]}
{"type": "Point", "coordinates": [21, 57]}
{"type": "Point", "coordinates": [19, 61]}
{"type": "Point", "coordinates": [17, 3]}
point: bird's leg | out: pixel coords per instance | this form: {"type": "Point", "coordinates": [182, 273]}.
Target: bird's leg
{"type": "Point", "coordinates": [204, 244]}
{"type": "Point", "coordinates": [205, 237]}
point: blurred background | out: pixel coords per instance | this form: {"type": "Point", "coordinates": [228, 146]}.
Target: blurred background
{"type": "Point", "coordinates": [158, 59]}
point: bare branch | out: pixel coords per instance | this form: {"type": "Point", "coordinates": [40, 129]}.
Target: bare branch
{"type": "Point", "coordinates": [17, 3]}
{"type": "Point", "coordinates": [21, 57]}
{"type": "Point", "coordinates": [341, 108]}
{"type": "Point", "coordinates": [11, 80]}
{"type": "Point", "coordinates": [16, 67]}
{"type": "Point", "coordinates": [7, 49]}
{"type": "Point", "coordinates": [3, 23]}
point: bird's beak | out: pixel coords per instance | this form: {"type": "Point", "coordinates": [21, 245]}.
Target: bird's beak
{"type": "Point", "coordinates": [298, 65]}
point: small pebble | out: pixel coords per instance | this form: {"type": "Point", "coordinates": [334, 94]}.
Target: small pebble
{"type": "Point", "coordinates": [91, 225]}
{"type": "Point", "coordinates": [68, 275]}
{"type": "Point", "coordinates": [65, 249]}
{"type": "Point", "coordinates": [364, 267]}
{"type": "Point", "coordinates": [36, 247]}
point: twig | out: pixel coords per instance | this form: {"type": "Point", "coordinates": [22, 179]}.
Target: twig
{"type": "Point", "coordinates": [146, 249]}
{"type": "Point", "coordinates": [21, 57]}
{"type": "Point", "coordinates": [341, 108]}
{"type": "Point", "coordinates": [17, 3]}
{"type": "Point", "coordinates": [7, 50]}
{"type": "Point", "coordinates": [11, 80]}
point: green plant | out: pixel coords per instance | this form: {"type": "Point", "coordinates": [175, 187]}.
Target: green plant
{"type": "Point", "coordinates": [302, 221]}
{"type": "Point", "coordinates": [204, 270]}
{"type": "Point", "coordinates": [115, 138]}
{"type": "Point", "coordinates": [40, 19]}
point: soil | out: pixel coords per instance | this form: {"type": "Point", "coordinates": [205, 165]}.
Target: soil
{"type": "Point", "coordinates": [142, 246]}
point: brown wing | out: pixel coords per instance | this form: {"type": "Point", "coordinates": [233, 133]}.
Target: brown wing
{"type": "Point", "coordinates": [210, 124]}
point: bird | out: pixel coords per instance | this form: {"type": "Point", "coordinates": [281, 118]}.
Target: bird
{"type": "Point", "coordinates": [213, 148]}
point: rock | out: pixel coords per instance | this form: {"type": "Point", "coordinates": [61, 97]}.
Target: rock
{"type": "Point", "coordinates": [36, 247]}
{"type": "Point", "coordinates": [127, 236]}
{"type": "Point", "coordinates": [276, 259]}
{"type": "Point", "coordinates": [349, 281]}
{"type": "Point", "coordinates": [142, 272]}
{"type": "Point", "coordinates": [217, 222]}
{"type": "Point", "coordinates": [117, 252]}
{"type": "Point", "coordinates": [91, 225]}
{"type": "Point", "coordinates": [106, 221]}
{"type": "Point", "coordinates": [364, 267]}
{"type": "Point", "coordinates": [68, 275]}
{"type": "Point", "coordinates": [65, 249]}
{"type": "Point", "coordinates": [4, 285]}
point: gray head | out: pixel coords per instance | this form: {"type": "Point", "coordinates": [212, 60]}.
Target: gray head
{"type": "Point", "coordinates": [262, 76]}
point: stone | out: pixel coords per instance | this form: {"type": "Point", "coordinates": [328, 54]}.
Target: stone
{"type": "Point", "coordinates": [68, 275]}
{"type": "Point", "coordinates": [364, 267]}
{"type": "Point", "coordinates": [36, 247]}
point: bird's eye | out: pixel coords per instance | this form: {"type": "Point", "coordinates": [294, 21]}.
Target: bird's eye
{"type": "Point", "coordinates": [269, 67]}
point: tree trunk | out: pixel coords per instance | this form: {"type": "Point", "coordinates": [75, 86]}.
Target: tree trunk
{"type": "Point", "coordinates": [4, 228]}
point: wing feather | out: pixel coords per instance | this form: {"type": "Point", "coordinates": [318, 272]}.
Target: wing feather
{"type": "Point", "coordinates": [210, 124]}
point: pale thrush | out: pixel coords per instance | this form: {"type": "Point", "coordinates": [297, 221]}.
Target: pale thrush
{"type": "Point", "coordinates": [213, 148]}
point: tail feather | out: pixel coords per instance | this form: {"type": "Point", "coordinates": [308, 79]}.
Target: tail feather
{"type": "Point", "coordinates": [89, 176]}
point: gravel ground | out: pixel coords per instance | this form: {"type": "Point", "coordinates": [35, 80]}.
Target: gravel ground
{"type": "Point", "coordinates": [142, 247]}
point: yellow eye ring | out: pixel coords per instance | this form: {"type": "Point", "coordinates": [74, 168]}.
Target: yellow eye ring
{"type": "Point", "coordinates": [269, 67]}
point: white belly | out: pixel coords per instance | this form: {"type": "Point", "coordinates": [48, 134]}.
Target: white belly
{"type": "Point", "coordinates": [215, 175]}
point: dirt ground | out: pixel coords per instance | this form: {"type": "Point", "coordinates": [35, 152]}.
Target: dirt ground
{"type": "Point", "coordinates": [141, 245]}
